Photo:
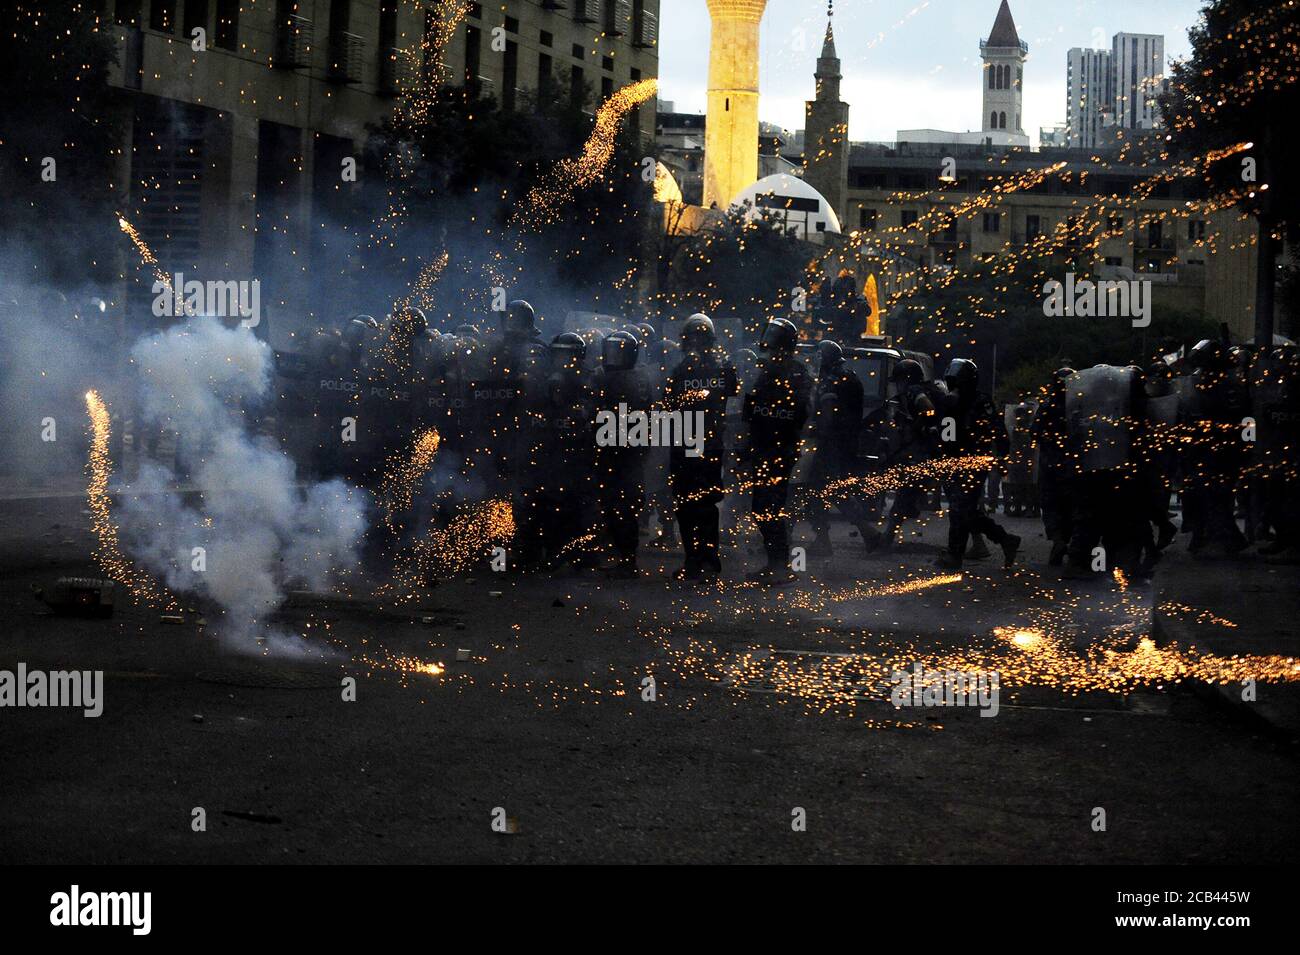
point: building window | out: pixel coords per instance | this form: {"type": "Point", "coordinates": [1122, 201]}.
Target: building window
{"type": "Point", "coordinates": [545, 79]}
{"type": "Point", "coordinates": [1195, 230]}
{"type": "Point", "coordinates": [196, 17]}
{"type": "Point", "coordinates": [1115, 223]}
{"type": "Point", "coordinates": [227, 35]}
{"type": "Point", "coordinates": [867, 219]}
{"type": "Point", "coordinates": [162, 16]}
{"type": "Point", "coordinates": [510, 75]}
{"type": "Point", "coordinates": [606, 87]}
{"type": "Point", "coordinates": [473, 40]}
{"type": "Point", "coordinates": [992, 75]}
{"type": "Point", "coordinates": [476, 11]}
{"type": "Point", "coordinates": [1033, 228]}
{"type": "Point", "coordinates": [993, 120]}
{"type": "Point", "coordinates": [127, 13]}
{"type": "Point", "coordinates": [992, 222]}
{"type": "Point", "coordinates": [607, 64]}
{"type": "Point", "coordinates": [546, 39]}
{"type": "Point", "coordinates": [1002, 120]}
{"type": "Point", "coordinates": [908, 218]}
{"type": "Point", "coordinates": [512, 25]}
{"type": "Point", "coordinates": [577, 87]}
{"type": "Point", "coordinates": [578, 52]}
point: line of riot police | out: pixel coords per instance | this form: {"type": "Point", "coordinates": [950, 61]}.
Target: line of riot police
{"type": "Point", "coordinates": [1098, 450]}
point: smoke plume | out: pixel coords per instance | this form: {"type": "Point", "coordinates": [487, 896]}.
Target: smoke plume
{"type": "Point", "coordinates": [260, 529]}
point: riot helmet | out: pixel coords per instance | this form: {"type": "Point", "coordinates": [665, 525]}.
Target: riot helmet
{"type": "Point", "coordinates": [619, 351]}
{"type": "Point", "coordinates": [829, 356]}
{"type": "Point", "coordinates": [697, 333]}
{"type": "Point", "coordinates": [962, 375]}
{"type": "Point", "coordinates": [1206, 354]}
{"type": "Point", "coordinates": [519, 319]}
{"type": "Point", "coordinates": [779, 337]}
{"type": "Point", "coordinates": [567, 346]}
{"type": "Point", "coordinates": [907, 372]}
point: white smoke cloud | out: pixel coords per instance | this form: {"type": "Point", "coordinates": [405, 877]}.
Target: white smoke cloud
{"type": "Point", "coordinates": [260, 531]}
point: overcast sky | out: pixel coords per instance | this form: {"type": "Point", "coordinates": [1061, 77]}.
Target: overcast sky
{"type": "Point", "coordinates": [909, 64]}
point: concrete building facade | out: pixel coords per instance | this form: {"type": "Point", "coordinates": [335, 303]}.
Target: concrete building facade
{"type": "Point", "coordinates": [1155, 240]}
{"type": "Point", "coordinates": [1139, 62]}
{"type": "Point", "coordinates": [1115, 89]}
{"type": "Point", "coordinates": [238, 134]}
{"type": "Point", "coordinates": [1090, 96]}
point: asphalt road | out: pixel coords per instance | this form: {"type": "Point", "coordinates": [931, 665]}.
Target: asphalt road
{"type": "Point", "coordinates": [765, 702]}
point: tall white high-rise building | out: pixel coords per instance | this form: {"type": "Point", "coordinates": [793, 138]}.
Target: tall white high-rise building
{"type": "Point", "coordinates": [1116, 87]}
{"type": "Point", "coordinates": [1090, 95]}
{"type": "Point", "coordinates": [1139, 63]}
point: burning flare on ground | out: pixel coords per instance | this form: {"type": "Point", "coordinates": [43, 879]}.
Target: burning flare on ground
{"type": "Point", "coordinates": [99, 466]}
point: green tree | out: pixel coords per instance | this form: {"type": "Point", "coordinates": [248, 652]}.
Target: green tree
{"type": "Point", "coordinates": [739, 265]}
{"type": "Point", "coordinates": [1240, 85]}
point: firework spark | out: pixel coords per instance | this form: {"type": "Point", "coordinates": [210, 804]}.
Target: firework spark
{"type": "Point", "coordinates": [146, 254]}
{"type": "Point", "coordinates": [109, 553]}
{"type": "Point", "coordinates": [402, 473]}
{"type": "Point", "coordinates": [558, 186]}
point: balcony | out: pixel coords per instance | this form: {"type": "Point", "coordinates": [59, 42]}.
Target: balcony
{"type": "Point", "coordinates": [395, 72]}
{"type": "Point", "coordinates": [619, 19]}
{"type": "Point", "coordinates": [645, 31]}
{"type": "Point", "coordinates": [345, 58]}
{"type": "Point", "coordinates": [586, 11]}
{"type": "Point", "coordinates": [293, 43]}
{"type": "Point", "coordinates": [1024, 46]}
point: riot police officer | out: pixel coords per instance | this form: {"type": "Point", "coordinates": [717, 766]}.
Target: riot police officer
{"type": "Point", "coordinates": [658, 360]}
{"type": "Point", "coordinates": [552, 509]}
{"type": "Point", "coordinates": [775, 413]}
{"type": "Point", "coordinates": [916, 426]}
{"type": "Point", "coordinates": [620, 470]}
{"type": "Point", "coordinates": [1057, 465]}
{"type": "Point", "coordinates": [837, 417]}
{"type": "Point", "coordinates": [973, 432]}
{"type": "Point", "coordinates": [1214, 456]}
{"type": "Point", "coordinates": [700, 386]}
{"type": "Point", "coordinates": [497, 396]}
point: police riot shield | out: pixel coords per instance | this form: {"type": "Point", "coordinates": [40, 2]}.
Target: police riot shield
{"type": "Point", "coordinates": [1275, 400]}
{"type": "Point", "coordinates": [1098, 402]}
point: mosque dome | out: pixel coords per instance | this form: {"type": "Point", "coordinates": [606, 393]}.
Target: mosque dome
{"type": "Point", "coordinates": [791, 200]}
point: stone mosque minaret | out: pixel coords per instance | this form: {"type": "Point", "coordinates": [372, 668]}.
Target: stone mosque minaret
{"type": "Point", "coordinates": [1004, 55]}
{"type": "Point", "coordinates": [731, 126]}
{"type": "Point", "coordinates": [826, 127]}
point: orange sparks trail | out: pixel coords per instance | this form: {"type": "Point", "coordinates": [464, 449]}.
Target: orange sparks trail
{"type": "Point", "coordinates": [109, 553]}
{"type": "Point", "coordinates": [146, 254]}
{"type": "Point", "coordinates": [402, 474]}
{"type": "Point", "coordinates": [569, 175]}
